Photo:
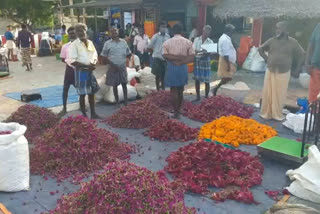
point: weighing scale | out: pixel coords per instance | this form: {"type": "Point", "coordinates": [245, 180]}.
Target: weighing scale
{"type": "Point", "coordinates": [293, 151]}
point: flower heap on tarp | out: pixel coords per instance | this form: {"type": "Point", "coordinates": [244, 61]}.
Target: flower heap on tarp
{"type": "Point", "coordinates": [172, 130]}
{"type": "Point", "coordinates": [162, 99]}
{"type": "Point", "coordinates": [202, 164]}
{"type": "Point", "coordinates": [123, 187]}
{"type": "Point", "coordinates": [138, 115]}
{"type": "Point", "coordinates": [36, 119]}
{"type": "Point", "coordinates": [214, 108]}
{"type": "Point", "coordinates": [76, 148]}
{"type": "Point", "coordinates": [235, 131]}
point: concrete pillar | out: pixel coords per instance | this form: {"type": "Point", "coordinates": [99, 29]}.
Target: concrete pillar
{"type": "Point", "coordinates": [257, 29]}
{"type": "Point", "coordinates": [84, 13]}
{"type": "Point", "coordinates": [202, 16]}
{"type": "Point", "coordinates": [71, 13]}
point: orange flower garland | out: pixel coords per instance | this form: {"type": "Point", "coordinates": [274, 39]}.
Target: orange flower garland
{"type": "Point", "coordinates": [235, 131]}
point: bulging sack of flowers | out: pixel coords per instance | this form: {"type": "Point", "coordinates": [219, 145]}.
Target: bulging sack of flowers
{"type": "Point", "coordinates": [137, 115]}
{"type": "Point", "coordinates": [172, 130]}
{"type": "Point", "coordinates": [216, 107]}
{"type": "Point", "coordinates": [76, 148]}
{"type": "Point", "coordinates": [235, 131]}
{"type": "Point", "coordinates": [14, 158]}
{"type": "Point", "coordinates": [201, 165]}
{"type": "Point", "coordinates": [36, 119]}
{"type": "Point", "coordinates": [123, 187]}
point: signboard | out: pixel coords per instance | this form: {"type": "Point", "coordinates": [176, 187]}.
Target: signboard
{"type": "Point", "coordinates": [115, 16]}
{"type": "Point", "coordinates": [106, 14]}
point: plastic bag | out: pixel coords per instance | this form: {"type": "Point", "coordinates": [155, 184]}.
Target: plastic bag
{"type": "Point", "coordinates": [295, 122]}
{"type": "Point", "coordinates": [14, 158]}
{"type": "Point", "coordinates": [258, 63]}
{"type": "Point", "coordinates": [306, 182]}
{"type": "Point", "coordinates": [247, 63]}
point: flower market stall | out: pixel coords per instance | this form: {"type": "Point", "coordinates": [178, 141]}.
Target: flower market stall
{"type": "Point", "coordinates": [138, 160]}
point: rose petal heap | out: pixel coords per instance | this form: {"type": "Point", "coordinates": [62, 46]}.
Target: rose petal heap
{"type": "Point", "coordinates": [5, 132]}
{"type": "Point", "coordinates": [243, 195]}
{"type": "Point", "coordinates": [123, 187]}
{"type": "Point", "coordinates": [214, 108]}
{"type": "Point", "coordinates": [235, 131]}
{"type": "Point", "coordinates": [162, 99]}
{"type": "Point", "coordinates": [75, 148]}
{"type": "Point", "coordinates": [202, 164]}
{"type": "Point", "coordinates": [172, 130]}
{"type": "Point", "coordinates": [36, 119]}
{"type": "Point", "coordinates": [137, 115]}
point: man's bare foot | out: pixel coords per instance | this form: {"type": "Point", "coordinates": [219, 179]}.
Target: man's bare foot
{"type": "Point", "coordinates": [62, 113]}
{"type": "Point", "coordinates": [95, 117]}
{"type": "Point", "coordinates": [176, 116]}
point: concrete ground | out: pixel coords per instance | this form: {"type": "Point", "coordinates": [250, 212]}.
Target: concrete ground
{"type": "Point", "coordinates": [49, 72]}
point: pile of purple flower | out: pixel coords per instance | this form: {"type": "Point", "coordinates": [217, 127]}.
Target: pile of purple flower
{"type": "Point", "coordinates": [124, 187]}
{"type": "Point", "coordinates": [76, 148]}
{"type": "Point", "coordinates": [36, 119]}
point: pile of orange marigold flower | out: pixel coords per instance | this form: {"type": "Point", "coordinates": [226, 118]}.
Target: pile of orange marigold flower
{"type": "Point", "coordinates": [235, 131]}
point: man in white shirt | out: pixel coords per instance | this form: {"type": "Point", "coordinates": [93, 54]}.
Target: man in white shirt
{"type": "Point", "coordinates": [134, 62]}
{"type": "Point", "coordinates": [228, 56]}
{"type": "Point", "coordinates": [140, 44]}
{"type": "Point", "coordinates": [69, 73]}
{"type": "Point", "coordinates": [159, 65]}
{"type": "Point", "coordinates": [202, 63]}
{"type": "Point", "coordinates": [83, 56]}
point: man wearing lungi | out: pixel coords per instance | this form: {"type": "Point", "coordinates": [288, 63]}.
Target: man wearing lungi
{"type": "Point", "coordinates": [159, 65]}
{"type": "Point", "coordinates": [178, 52]}
{"type": "Point", "coordinates": [24, 41]}
{"type": "Point", "coordinates": [115, 53]}
{"type": "Point", "coordinates": [313, 64]}
{"type": "Point", "coordinates": [83, 56]}
{"type": "Point", "coordinates": [228, 56]}
{"type": "Point", "coordinates": [9, 42]}
{"type": "Point", "coordinates": [202, 63]}
{"type": "Point", "coordinates": [69, 73]}
{"type": "Point", "coordinates": [282, 51]}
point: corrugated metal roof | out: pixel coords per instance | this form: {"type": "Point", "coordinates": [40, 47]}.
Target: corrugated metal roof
{"type": "Point", "coordinates": [268, 8]}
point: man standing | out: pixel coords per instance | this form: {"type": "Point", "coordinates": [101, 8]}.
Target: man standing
{"type": "Point", "coordinates": [140, 44]}
{"type": "Point", "coordinates": [202, 62]}
{"type": "Point", "coordinates": [178, 52]}
{"type": "Point", "coordinates": [159, 65]}
{"type": "Point", "coordinates": [281, 50]}
{"type": "Point", "coordinates": [24, 41]}
{"type": "Point", "coordinates": [9, 42]}
{"type": "Point", "coordinates": [228, 56]}
{"type": "Point", "coordinates": [69, 73]}
{"type": "Point", "coordinates": [83, 56]}
{"type": "Point", "coordinates": [115, 52]}
{"type": "Point", "coordinates": [313, 64]}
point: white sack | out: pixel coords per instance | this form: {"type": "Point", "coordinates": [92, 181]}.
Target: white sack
{"type": "Point", "coordinates": [258, 63]}
{"type": "Point", "coordinates": [14, 158]}
{"type": "Point", "coordinates": [295, 122]}
{"type": "Point", "coordinates": [109, 96]}
{"type": "Point", "coordinates": [247, 63]}
{"type": "Point", "coordinates": [132, 73]}
{"type": "Point", "coordinates": [306, 182]}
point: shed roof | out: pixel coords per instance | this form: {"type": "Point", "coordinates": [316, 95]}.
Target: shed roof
{"type": "Point", "coordinates": [267, 8]}
{"type": "Point", "coordinates": [106, 3]}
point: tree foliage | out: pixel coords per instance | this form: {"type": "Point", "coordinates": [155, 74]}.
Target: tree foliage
{"type": "Point", "coordinates": [29, 12]}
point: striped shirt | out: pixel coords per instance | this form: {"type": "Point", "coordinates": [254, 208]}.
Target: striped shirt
{"type": "Point", "coordinates": [178, 46]}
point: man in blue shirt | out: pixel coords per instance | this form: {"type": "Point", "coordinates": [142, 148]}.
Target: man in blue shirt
{"type": "Point", "coordinates": [9, 42]}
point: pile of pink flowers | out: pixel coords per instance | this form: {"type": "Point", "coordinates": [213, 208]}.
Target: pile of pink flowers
{"type": "Point", "coordinates": [202, 164]}
{"type": "Point", "coordinates": [36, 119]}
{"type": "Point", "coordinates": [214, 108]}
{"type": "Point", "coordinates": [123, 187]}
{"type": "Point", "coordinates": [172, 130]}
{"type": "Point", "coordinates": [137, 115]}
{"type": "Point", "coordinates": [75, 148]}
